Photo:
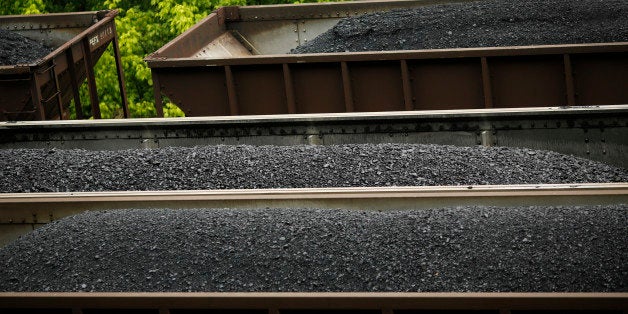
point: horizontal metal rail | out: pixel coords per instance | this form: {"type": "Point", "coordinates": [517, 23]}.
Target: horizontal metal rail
{"type": "Point", "coordinates": [20, 213]}
{"type": "Point", "coordinates": [597, 133]}
{"type": "Point", "coordinates": [275, 303]}
{"type": "Point", "coordinates": [29, 206]}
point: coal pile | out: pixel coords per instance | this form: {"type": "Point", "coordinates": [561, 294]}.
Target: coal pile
{"type": "Point", "coordinates": [17, 49]}
{"type": "Point", "coordinates": [454, 249]}
{"type": "Point", "coordinates": [478, 24]}
{"type": "Point", "coordinates": [254, 167]}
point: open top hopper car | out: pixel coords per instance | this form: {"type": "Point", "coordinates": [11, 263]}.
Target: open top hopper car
{"type": "Point", "coordinates": [43, 89]}
{"type": "Point", "coordinates": [237, 62]}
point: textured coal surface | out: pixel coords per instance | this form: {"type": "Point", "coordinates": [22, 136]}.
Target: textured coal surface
{"type": "Point", "coordinates": [479, 24]}
{"type": "Point", "coordinates": [456, 249]}
{"type": "Point", "coordinates": [17, 49]}
{"type": "Point", "coordinates": [250, 167]}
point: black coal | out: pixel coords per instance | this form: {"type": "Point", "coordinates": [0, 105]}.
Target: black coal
{"type": "Point", "coordinates": [17, 49]}
{"type": "Point", "coordinates": [253, 167]}
{"type": "Point", "coordinates": [478, 24]}
{"type": "Point", "coordinates": [453, 249]}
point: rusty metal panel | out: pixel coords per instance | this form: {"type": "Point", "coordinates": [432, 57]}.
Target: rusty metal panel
{"type": "Point", "coordinates": [600, 79]}
{"type": "Point", "coordinates": [15, 96]}
{"type": "Point", "coordinates": [260, 89]}
{"type": "Point", "coordinates": [376, 86]}
{"type": "Point", "coordinates": [529, 81]}
{"type": "Point", "coordinates": [195, 38]}
{"type": "Point", "coordinates": [317, 87]}
{"type": "Point", "coordinates": [198, 91]}
{"type": "Point", "coordinates": [223, 46]}
{"type": "Point", "coordinates": [268, 37]}
{"type": "Point", "coordinates": [446, 84]}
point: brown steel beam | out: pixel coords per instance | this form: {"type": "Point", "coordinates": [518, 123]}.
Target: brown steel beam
{"type": "Point", "coordinates": [289, 87]}
{"type": "Point", "coordinates": [231, 91]}
{"type": "Point", "coordinates": [121, 85]}
{"type": "Point", "coordinates": [407, 89]}
{"type": "Point", "coordinates": [159, 104]}
{"type": "Point", "coordinates": [57, 90]}
{"type": "Point", "coordinates": [278, 301]}
{"type": "Point", "coordinates": [347, 87]}
{"type": "Point", "coordinates": [74, 84]}
{"type": "Point", "coordinates": [569, 81]}
{"type": "Point", "coordinates": [91, 79]}
{"type": "Point", "coordinates": [36, 97]}
{"type": "Point", "coordinates": [486, 84]}
{"type": "Point", "coordinates": [457, 53]}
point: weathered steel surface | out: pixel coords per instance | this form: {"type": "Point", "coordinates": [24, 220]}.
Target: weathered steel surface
{"type": "Point", "coordinates": [271, 82]}
{"type": "Point", "coordinates": [594, 133]}
{"type": "Point", "coordinates": [28, 209]}
{"type": "Point", "coordinates": [43, 90]}
{"type": "Point", "coordinates": [318, 302]}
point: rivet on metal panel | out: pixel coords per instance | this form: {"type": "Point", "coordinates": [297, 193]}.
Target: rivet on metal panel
{"type": "Point", "coordinates": [315, 139]}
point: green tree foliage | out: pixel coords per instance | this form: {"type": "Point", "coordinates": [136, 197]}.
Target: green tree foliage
{"type": "Point", "coordinates": [143, 27]}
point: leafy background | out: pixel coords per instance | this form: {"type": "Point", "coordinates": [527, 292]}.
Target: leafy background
{"type": "Point", "coordinates": [143, 27]}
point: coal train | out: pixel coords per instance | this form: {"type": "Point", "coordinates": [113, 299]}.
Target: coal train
{"type": "Point", "coordinates": [232, 76]}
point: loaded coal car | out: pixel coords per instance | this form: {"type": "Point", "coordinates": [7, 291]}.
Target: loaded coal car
{"type": "Point", "coordinates": [396, 56]}
{"type": "Point", "coordinates": [46, 58]}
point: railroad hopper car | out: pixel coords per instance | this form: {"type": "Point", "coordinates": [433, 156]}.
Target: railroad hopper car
{"type": "Point", "coordinates": [236, 61]}
{"type": "Point", "coordinates": [44, 88]}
